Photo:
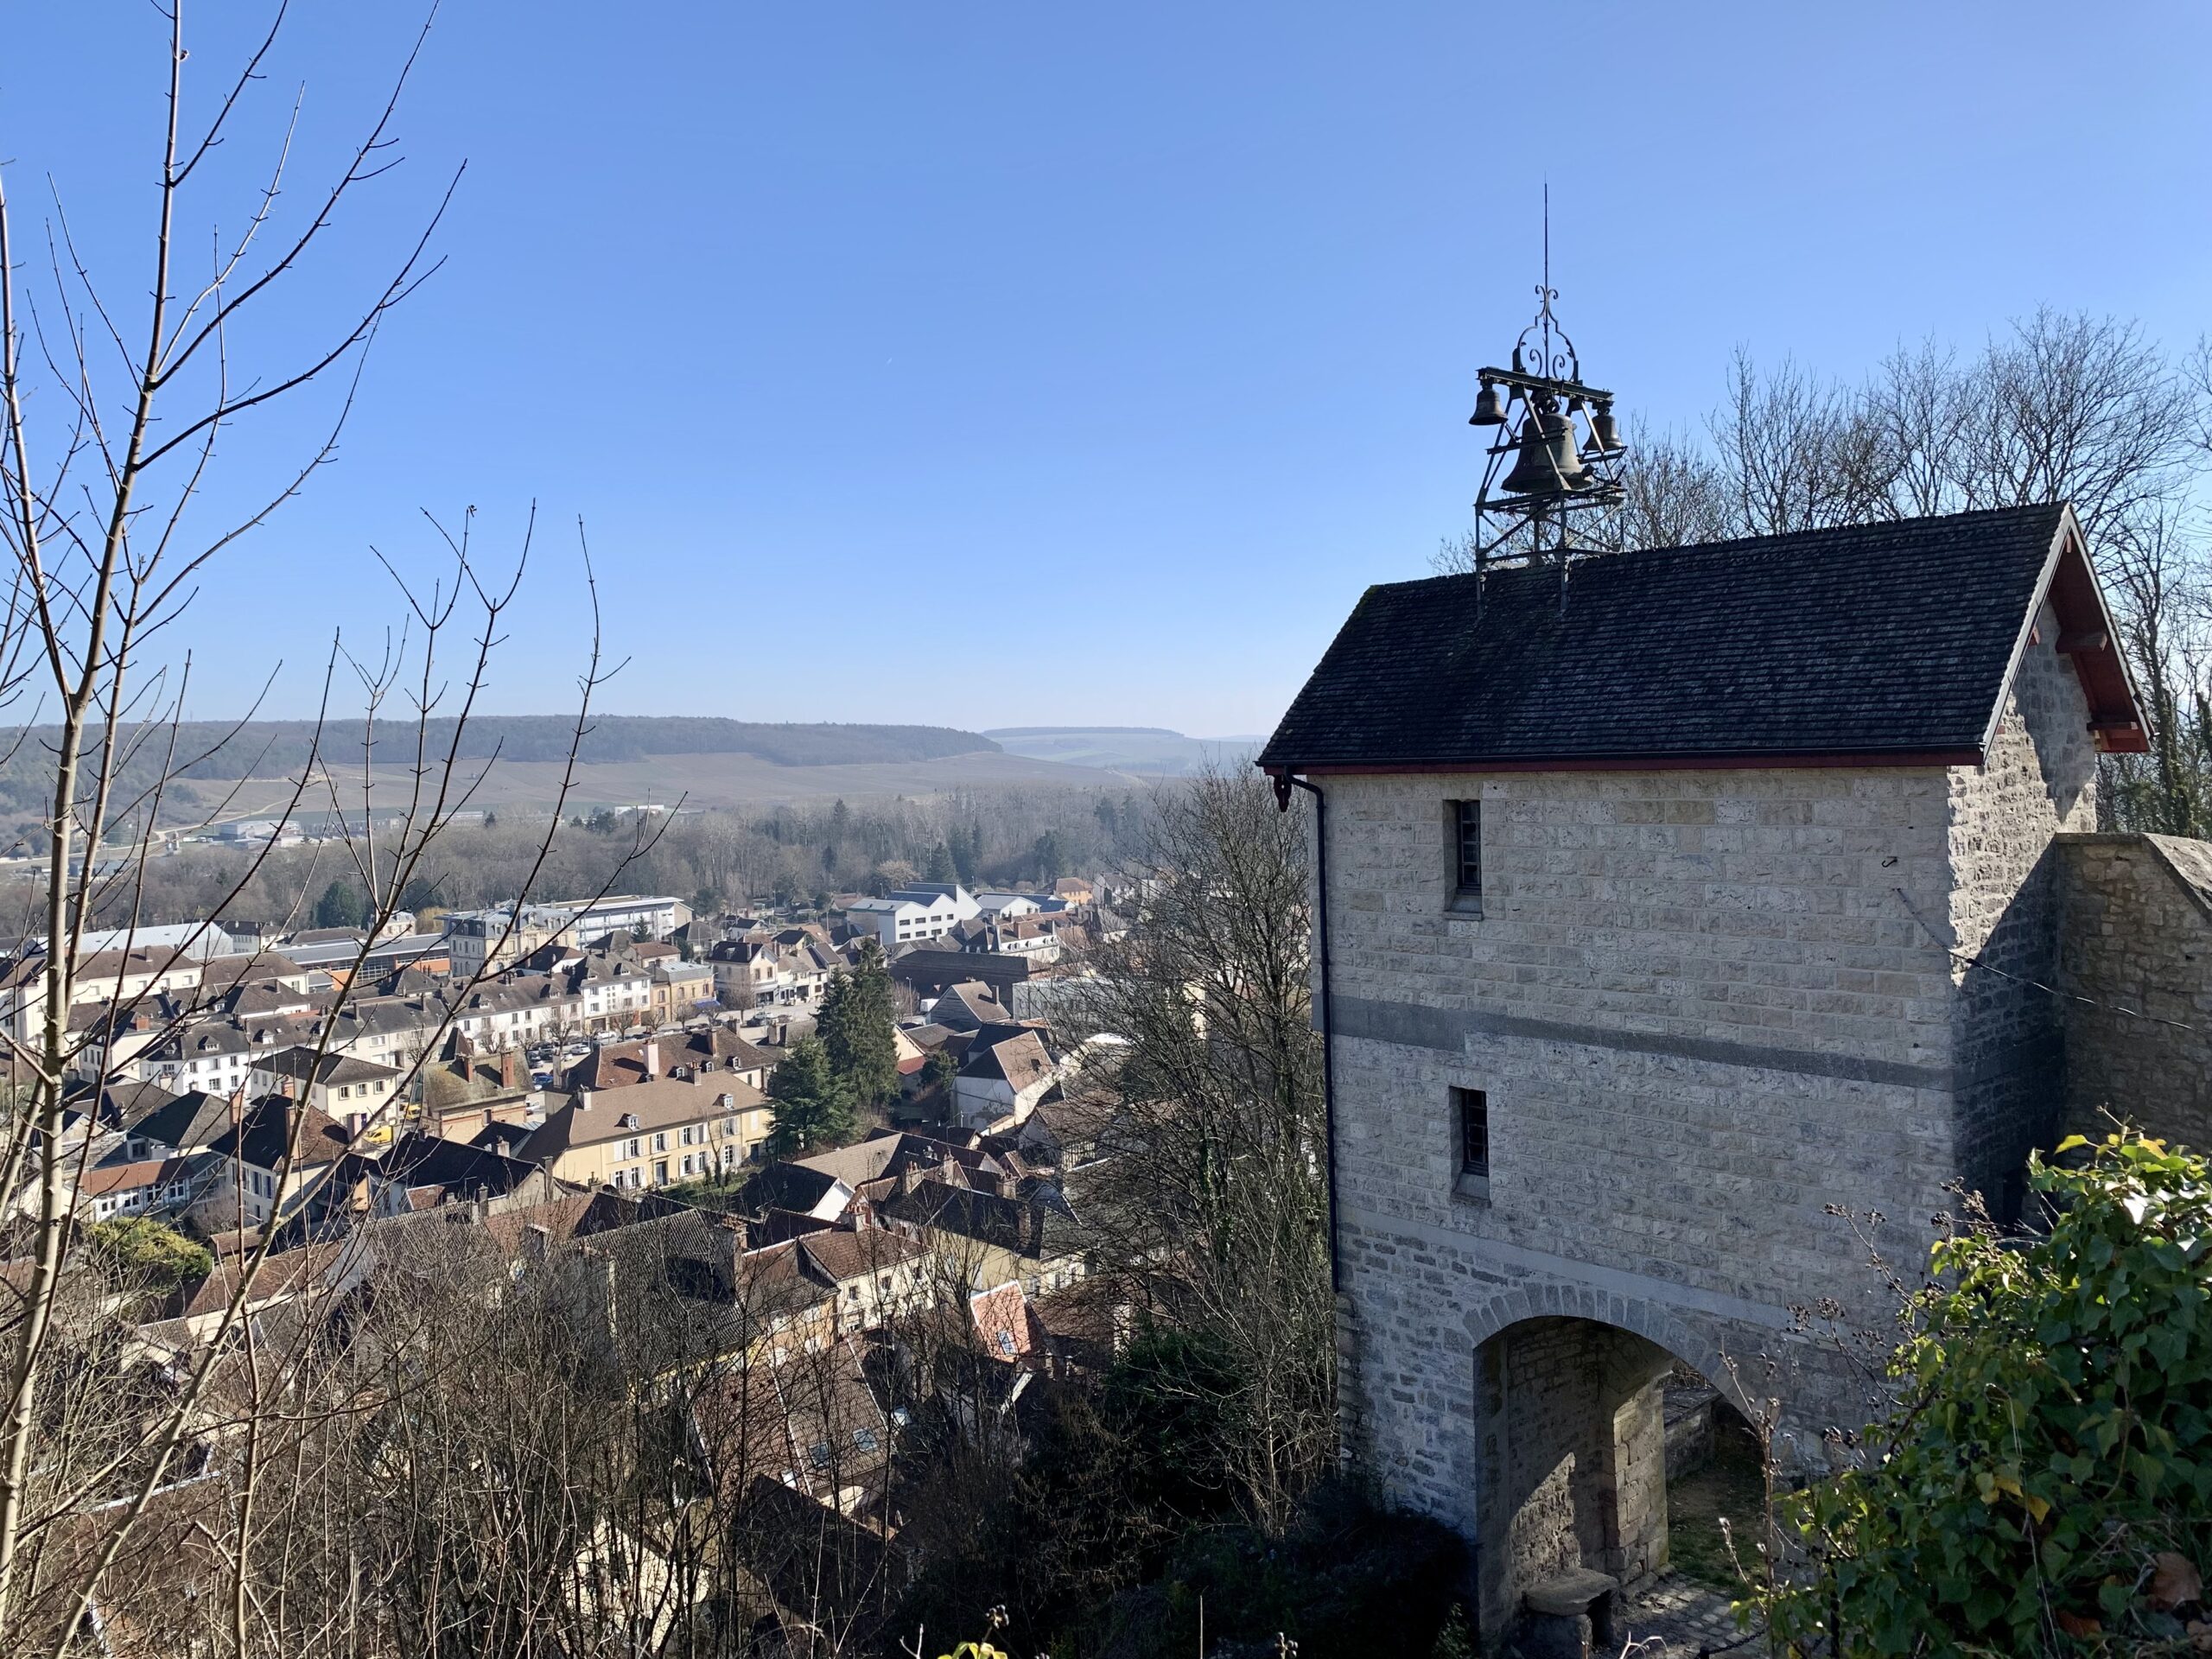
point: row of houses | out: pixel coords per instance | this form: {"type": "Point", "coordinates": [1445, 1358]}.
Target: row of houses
{"type": "Point", "coordinates": [845, 1296]}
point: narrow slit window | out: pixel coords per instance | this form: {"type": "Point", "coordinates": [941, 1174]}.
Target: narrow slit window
{"type": "Point", "coordinates": [1471, 1107]}
{"type": "Point", "coordinates": [1467, 824]}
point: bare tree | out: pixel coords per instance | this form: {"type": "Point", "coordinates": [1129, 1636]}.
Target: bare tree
{"type": "Point", "coordinates": [1799, 452]}
{"type": "Point", "coordinates": [2056, 407]}
{"type": "Point", "coordinates": [110, 417]}
{"type": "Point", "coordinates": [1213, 1206]}
{"type": "Point", "coordinates": [1674, 495]}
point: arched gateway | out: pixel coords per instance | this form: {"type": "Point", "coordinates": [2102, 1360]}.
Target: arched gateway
{"type": "Point", "coordinates": [1654, 895]}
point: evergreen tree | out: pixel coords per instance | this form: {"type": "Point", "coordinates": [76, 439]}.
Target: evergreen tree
{"type": "Point", "coordinates": [965, 843]}
{"type": "Point", "coordinates": [812, 1107]}
{"type": "Point", "coordinates": [1045, 855]}
{"type": "Point", "coordinates": [855, 1029]}
{"type": "Point", "coordinates": [939, 867]}
{"type": "Point", "coordinates": [939, 1069]}
{"type": "Point", "coordinates": [340, 905]}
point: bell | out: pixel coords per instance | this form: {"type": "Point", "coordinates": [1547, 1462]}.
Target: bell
{"type": "Point", "coordinates": [1489, 408]}
{"type": "Point", "coordinates": [1547, 463]}
{"type": "Point", "coordinates": [1605, 431]}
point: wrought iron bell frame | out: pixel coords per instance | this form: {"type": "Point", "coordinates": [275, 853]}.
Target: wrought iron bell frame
{"type": "Point", "coordinates": [1524, 527]}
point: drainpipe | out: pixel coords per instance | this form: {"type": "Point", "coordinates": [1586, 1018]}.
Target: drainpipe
{"type": "Point", "coordinates": [1285, 782]}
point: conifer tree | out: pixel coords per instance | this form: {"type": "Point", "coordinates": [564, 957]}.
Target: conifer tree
{"type": "Point", "coordinates": [965, 844]}
{"type": "Point", "coordinates": [812, 1107]}
{"type": "Point", "coordinates": [855, 1029]}
{"type": "Point", "coordinates": [939, 1069]}
{"type": "Point", "coordinates": [340, 905]}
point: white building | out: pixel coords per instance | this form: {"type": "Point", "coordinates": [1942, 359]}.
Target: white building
{"type": "Point", "coordinates": [1007, 903]}
{"type": "Point", "coordinates": [925, 911]}
{"type": "Point", "coordinates": [480, 941]}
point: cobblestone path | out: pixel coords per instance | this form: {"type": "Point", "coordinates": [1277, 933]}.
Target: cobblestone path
{"type": "Point", "coordinates": [1677, 1619]}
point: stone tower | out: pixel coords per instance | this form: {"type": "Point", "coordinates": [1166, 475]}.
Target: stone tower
{"type": "Point", "coordinates": [1660, 914]}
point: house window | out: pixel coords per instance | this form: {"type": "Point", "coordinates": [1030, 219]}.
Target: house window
{"type": "Point", "coordinates": [1464, 825]}
{"type": "Point", "coordinates": [1470, 1115]}
{"type": "Point", "coordinates": [660, 1173]}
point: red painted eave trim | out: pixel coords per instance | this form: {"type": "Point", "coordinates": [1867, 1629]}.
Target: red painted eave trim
{"type": "Point", "coordinates": [2117, 721]}
{"type": "Point", "coordinates": [1741, 761]}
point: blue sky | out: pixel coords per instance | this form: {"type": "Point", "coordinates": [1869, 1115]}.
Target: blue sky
{"type": "Point", "coordinates": [992, 364]}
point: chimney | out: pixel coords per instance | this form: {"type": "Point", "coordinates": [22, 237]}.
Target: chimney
{"type": "Point", "coordinates": [584, 1097]}
{"type": "Point", "coordinates": [653, 1059]}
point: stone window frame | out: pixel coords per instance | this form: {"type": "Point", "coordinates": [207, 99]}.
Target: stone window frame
{"type": "Point", "coordinates": [1469, 1109]}
{"type": "Point", "coordinates": [1463, 834]}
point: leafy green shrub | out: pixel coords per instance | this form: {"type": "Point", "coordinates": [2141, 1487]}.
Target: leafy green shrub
{"type": "Point", "coordinates": [2045, 1485]}
{"type": "Point", "coordinates": [137, 1253]}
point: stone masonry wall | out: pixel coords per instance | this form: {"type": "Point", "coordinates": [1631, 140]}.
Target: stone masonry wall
{"type": "Point", "coordinates": [1573, 1417]}
{"type": "Point", "coordinates": [1696, 1002]}
{"type": "Point", "coordinates": [1701, 1014]}
{"type": "Point", "coordinates": [2039, 778]}
{"type": "Point", "coordinates": [2138, 942]}
{"type": "Point", "coordinates": [1703, 1006]}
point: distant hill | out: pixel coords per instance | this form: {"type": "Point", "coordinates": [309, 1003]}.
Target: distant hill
{"type": "Point", "coordinates": [1153, 750]}
{"type": "Point", "coordinates": [274, 748]}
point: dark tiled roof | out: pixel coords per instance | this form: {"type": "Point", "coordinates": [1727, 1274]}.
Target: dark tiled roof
{"type": "Point", "coordinates": [189, 1123]}
{"type": "Point", "coordinates": [425, 1160]}
{"type": "Point", "coordinates": [264, 1137]}
{"type": "Point", "coordinates": [840, 1254]}
{"type": "Point", "coordinates": [1881, 639]}
{"type": "Point", "coordinates": [302, 1063]}
{"type": "Point", "coordinates": [1008, 1054]}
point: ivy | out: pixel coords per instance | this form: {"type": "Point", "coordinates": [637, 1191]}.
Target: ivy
{"type": "Point", "coordinates": [2045, 1486]}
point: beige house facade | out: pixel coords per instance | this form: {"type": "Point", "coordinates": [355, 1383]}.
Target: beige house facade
{"type": "Point", "coordinates": [661, 1133]}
